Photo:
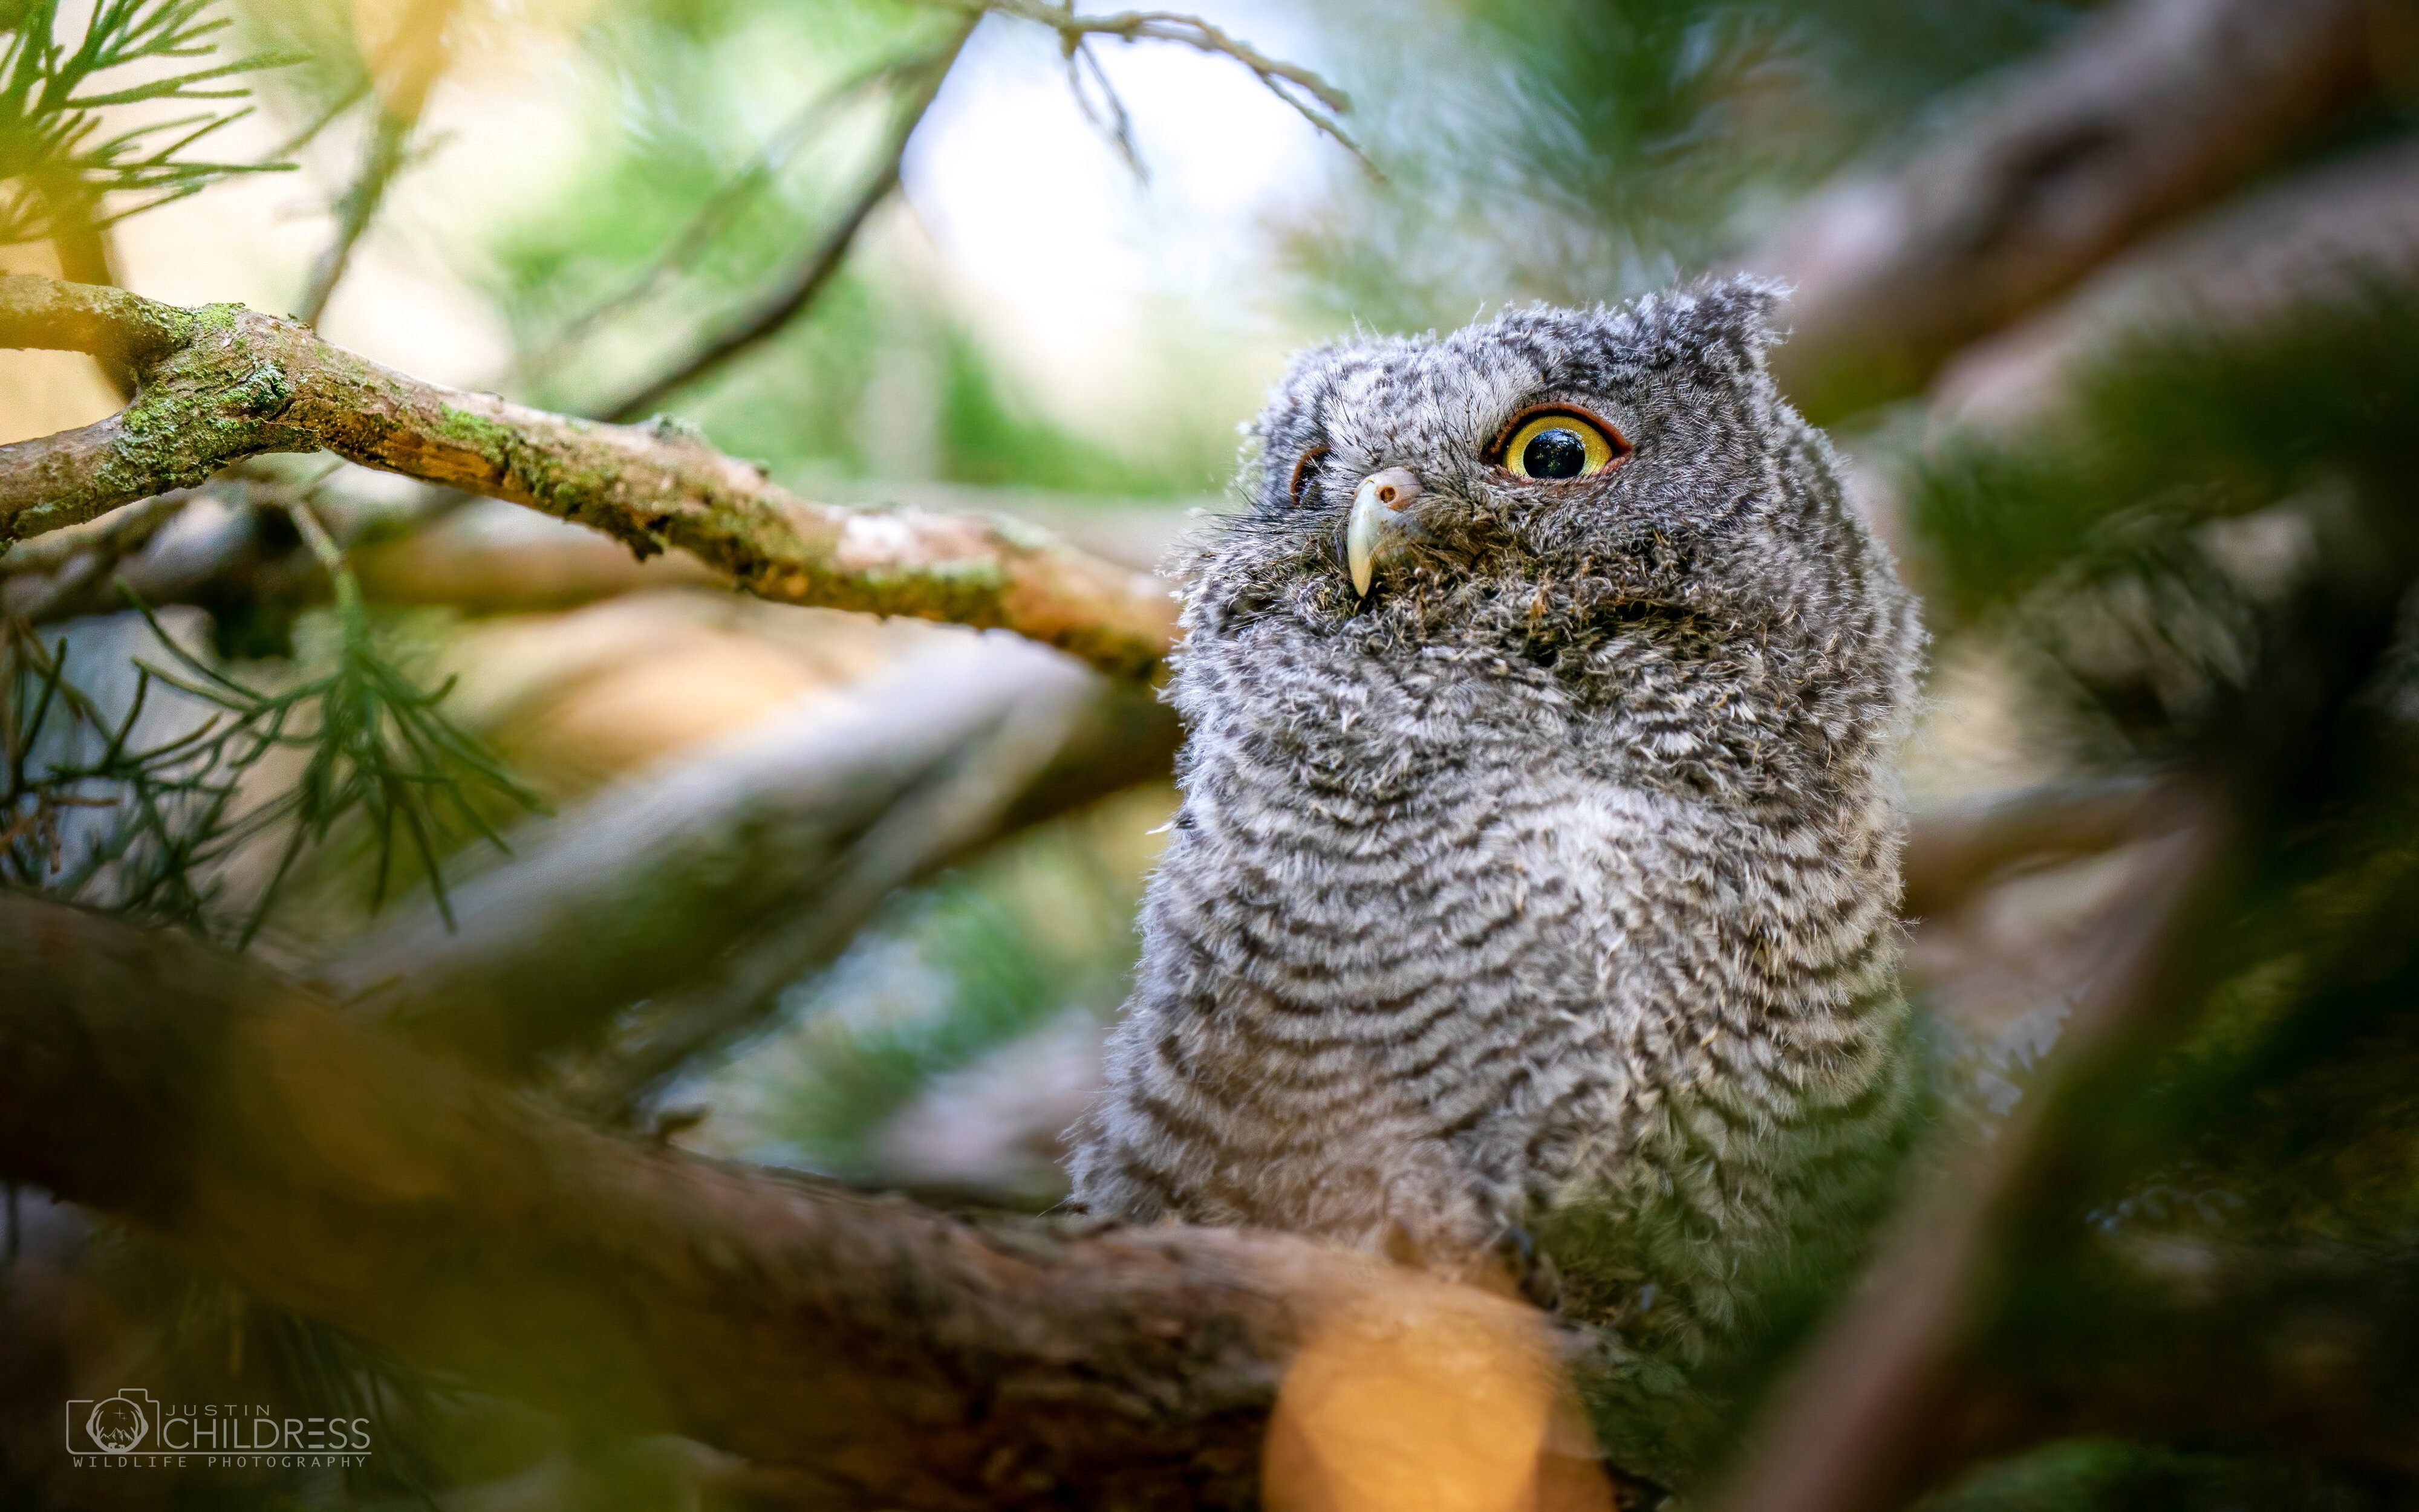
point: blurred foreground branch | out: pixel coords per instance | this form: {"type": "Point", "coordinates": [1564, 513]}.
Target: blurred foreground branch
{"type": "Point", "coordinates": [1955, 851]}
{"type": "Point", "coordinates": [780, 843]}
{"type": "Point", "coordinates": [889, 1354]}
{"type": "Point", "coordinates": [224, 383]}
{"type": "Point", "coordinates": [2154, 109]}
{"type": "Point", "coordinates": [1862, 1428]}
{"type": "Point", "coordinates": [2007, 1311]}
{"type": "Point", "coordinates": [709, 888]}
{"type": "Point", "coordinates": [2194, 1227]}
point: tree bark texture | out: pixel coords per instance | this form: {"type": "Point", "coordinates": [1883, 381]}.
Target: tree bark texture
{"type": "Point", "coordinates": [891, 1356]}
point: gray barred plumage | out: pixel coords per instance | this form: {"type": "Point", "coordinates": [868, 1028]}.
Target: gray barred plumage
{"type": "Point", "coordinates": [1548, 891]}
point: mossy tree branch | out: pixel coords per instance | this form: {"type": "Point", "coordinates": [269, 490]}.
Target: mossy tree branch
{"type": "Point", "coordinates": [223, 383]}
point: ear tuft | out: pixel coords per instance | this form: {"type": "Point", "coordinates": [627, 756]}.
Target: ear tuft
{"type": "Point", "coordinates": [1741, 311]}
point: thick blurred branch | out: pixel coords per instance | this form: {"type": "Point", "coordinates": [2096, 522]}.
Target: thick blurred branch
{"type": "Point", "coordinates": [1954, 851]}
{"type": "Point", "coordinates": [224, 383]}
{"type": "Point", "coordinates": [954, 807]}
{"type": "Point", "coordinates": [230, 549]}
{"type": "Point", "coordinates": [711, 887]}
{"type": "Point", "coordinates": [76, 571]}
{"type": "Point", "coordinates": [778, 843]}
{"type": "Point", "coordinates": [2319, 234]}
{"type": "Point", "coordinates": [891, 1356]}
{"type": "Point", "coordinates": [483, 559]}
{"type": "Point", "coordinates": [2145, 114]}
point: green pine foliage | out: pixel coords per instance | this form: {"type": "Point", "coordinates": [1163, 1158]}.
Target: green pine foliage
{"type": "Point", "coordinates": [170, 814]}
{"type": "Point", "coordinates": [2113, 1475]}
{"type": "Point", "coordinates": [58, 154]}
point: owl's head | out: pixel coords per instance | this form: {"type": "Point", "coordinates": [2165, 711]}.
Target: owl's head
{"type": "Point", "coordinates": [1549, 480]}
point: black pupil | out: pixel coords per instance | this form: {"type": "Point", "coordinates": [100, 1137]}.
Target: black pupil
{"type": "Point", "coordinates": [1555, 453]}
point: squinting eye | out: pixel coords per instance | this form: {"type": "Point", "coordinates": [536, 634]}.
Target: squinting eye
{"type": "Point", "coordinates": [1302, 469]}
{"type": "Point", "coordinates": [1554, 442]}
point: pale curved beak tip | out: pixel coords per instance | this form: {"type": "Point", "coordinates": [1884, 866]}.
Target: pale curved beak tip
{"type": "Point", "coordinates": [1376, 521]}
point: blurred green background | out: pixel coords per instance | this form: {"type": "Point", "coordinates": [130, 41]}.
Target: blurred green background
{"type": "Point", "coordinates": [2180, 550]}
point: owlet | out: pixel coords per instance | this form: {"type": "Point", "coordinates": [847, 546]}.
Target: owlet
{"type": "Point", "coordinates": [1535, 881]}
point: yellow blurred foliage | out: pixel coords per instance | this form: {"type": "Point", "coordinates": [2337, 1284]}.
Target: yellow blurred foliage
{"type": "Point", "coordinates": [1425, 1396]}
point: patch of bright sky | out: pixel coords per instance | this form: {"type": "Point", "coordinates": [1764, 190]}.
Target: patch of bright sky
{"type": "Point", "coordinates": [1083, 282]}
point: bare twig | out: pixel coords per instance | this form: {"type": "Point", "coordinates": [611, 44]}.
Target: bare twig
{"type": "Point", "coordinates": [786, 303]}
{"type": "Point", "coordinates": [1086, 80]}
{"type": "Point", "coordinates": [682, 250]}
{"type": "Point", "coordinates": [345, 99]}
{"type": "Point", "coordinates": [381, 159]}
{"type": "Point", "coordinates": [1310, 97]}
{"type": "Point", "coordinates": [224, 383]}
{"type": "Point", "coordinates": [1313, 97]}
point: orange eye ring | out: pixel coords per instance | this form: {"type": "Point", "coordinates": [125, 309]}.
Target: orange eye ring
{"type": "Point", "coordinates": [1302, 467]}
{"type": "Point", "coordinates": [1602, 444]}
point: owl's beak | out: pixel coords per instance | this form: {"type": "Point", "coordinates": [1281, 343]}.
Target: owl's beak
{"type": "Point", "coordinates": [1379, 520]}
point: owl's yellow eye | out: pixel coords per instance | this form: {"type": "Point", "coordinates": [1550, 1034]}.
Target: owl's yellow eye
{"type": "Point", "coordinates": [1552, 442]}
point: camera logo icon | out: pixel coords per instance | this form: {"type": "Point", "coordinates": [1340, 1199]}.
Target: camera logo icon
{"type": "Point", "coordinates": [113, 1424]}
